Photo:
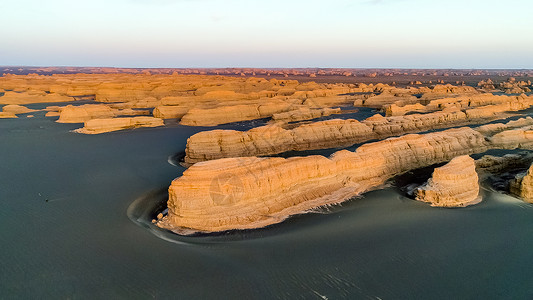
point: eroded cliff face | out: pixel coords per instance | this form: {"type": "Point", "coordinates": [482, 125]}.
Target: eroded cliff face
{"type": "Point", "coordinates": [452, 185]}
{"type": "Point", "coordinates": [522, 185]}
{"type": "Point", "coordinates": [96, 126]}
{"type": "Point", "coordinates": [252, 192]}
{"type": "Point", "coordinates": [242, 193]}
{"type": "Point", "coordinates": [341, 133]}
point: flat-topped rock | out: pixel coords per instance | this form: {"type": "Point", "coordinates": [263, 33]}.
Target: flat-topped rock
{"type": "Point", "coordinates": [170, 111]}
{"type": "Point", "coordinates": [17, 109]}
{"type": "Point", "coordinates": [96, 126]}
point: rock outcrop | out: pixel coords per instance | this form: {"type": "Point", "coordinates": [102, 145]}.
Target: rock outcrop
{"type": "Point", "coordinates": [7, 115]}
{"type": "Point", "coordinates": [230, 114]}
{"type": "Point", "coordinates": [17, 109]}
{"type": "Point", "coordinates": [305, 113]}
{"type": "Point", "coordinates": [522, 185]}
{"type": "Point", "coordinates": [28, 98]}
{"type": "Point", "coordinates": [452, 185]}
{"type": "Point", "coordinates": [260, 141]}
{"type": "Point", "coordinates": [242, 193]}
{"type": "Point", "coordinates": [96, 126]}
{"type": "Point", "coordinates": [84, 113]}
{"type": "Point", "coordinates": [170, 111]}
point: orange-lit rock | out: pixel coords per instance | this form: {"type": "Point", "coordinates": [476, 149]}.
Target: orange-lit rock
{"type": "Point", "coordinates": [96, 126]}
{"type": "Point", "coordinates": [170, 112]}
{"type": "Point", "coordinates": [229, 114]}
{"type": "Point", "coordinates": [243, 193]}
{"type": "Point", "coordinates": [28, 98]}
{"type": "Point", "coordinates": [16, 109]}
{"type": "Point", "coordinates": [83, 113]}
{"type": "Point", "coordinates": [452, 185]}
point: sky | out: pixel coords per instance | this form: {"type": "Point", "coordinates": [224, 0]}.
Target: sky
{"type": "Point", "coordinates": [273, 33]}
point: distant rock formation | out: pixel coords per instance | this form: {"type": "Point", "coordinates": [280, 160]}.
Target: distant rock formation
{"type": "Point", "coordinates": [452, 185]}
{"type": "Point", "coordinates": [32, 97]}
{"type": "Point", "coordinates": [512, 86]}
{"type": "Point", "coordinates": [487, 85]}
{"type": "Point", "coordinates": [17, 109]}
{"type": "Point", "coordinates": [304, 113]}
{"type": "Point", "coordinates": [170, 111]}
{"type": "Point", "coordinates": [259, 141]}
{"type": "Point", "coordinates": [388, 98]}
{"type": "Point", "coordinates": [96, 126]}
{"type": "Point", "coordinates": [230, 114]}
{"type": "Point", "coordinates": [84, 113]}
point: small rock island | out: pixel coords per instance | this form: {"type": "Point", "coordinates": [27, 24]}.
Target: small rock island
{"type": "Point", "coordinates": [452, 185]}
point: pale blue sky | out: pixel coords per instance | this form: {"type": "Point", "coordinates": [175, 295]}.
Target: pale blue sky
{"type": "Point", "coordinates": [274, 33]}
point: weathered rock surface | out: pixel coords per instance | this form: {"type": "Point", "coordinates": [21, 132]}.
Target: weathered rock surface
{"type": "Point", "coordinates": [27, 98]}
{"type": "Point", "coordinates": [242, 193]}
{"type": "Point", "coordinates": [490, 164]}
{"type": "Point", "coordinates": [452, 185]}
{"type": "Point", "coordinates": [230, 114]}
{"type": "Point", "coordinates": [16, 109]}
{"type": "Point", "coordinates": [96, 126]}
{"type": "Point", "coordinates": [324, 134]}
{"type": "Point", "coordinates": [170, 111]}
{"type": "Point", "coordinates": [305, 113]}
{"type": "Point", "coordinates": [83, 113]}
{"type": "Point", "coordinates": [396, 110]}
{"type": "Point", "coordinates": [388, 98]}
{"type": "Point", "coordinates": [522, 185]}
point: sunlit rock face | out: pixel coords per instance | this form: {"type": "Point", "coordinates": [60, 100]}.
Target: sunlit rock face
{"type": "Point", "coordinates": [241, 193]}
{"type": "Point", "coordinates": [304, 113]}
{"type": "Point", "coordinates": [83, 113]}
{"type": "Point", "coordinates": [522, 185]}
{"type": "Point", "coordinates": [452, 185]}
{"type": "Point", "coordinates": [273, 139]}
{"type": "Point", "coordinates": [235, 113]}
{"type": "Point", "coordinates": [170, 111]}
{"type": "Point", "coordinates": [96, 126]}
{"type": "Point", "coordinates": [16, 109]}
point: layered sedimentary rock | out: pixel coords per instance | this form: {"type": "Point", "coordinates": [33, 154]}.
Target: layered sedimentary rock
{"type": "Point", "coordinates": [96, 126]}
{"type": "Point", "coordinates": [325, 134]}
{"type": "Point", "coordinates": [229, 114]}
{"type": "Point", "coordinates": [83, 113]}
{"type": "Point", "coordinates": [492, 129]}
{"type": "Point", "coordinates": [396, 110]}
{"type": "Point", "coordinates": [445, 90]}
{"type": "Point", "coordinates": [522, 185]}
{"type": "Point", "coordinates": [452, 185]}
{"type": "Point", "coordinates": [241, 193]}
{"type": "Point", "coordinates": [388, 98]}
{"type": "Point", "coordinates": [490, 164]}
{"type": "Point", "coordinates": [17, 109]}
{"type": "Point", "coordinates": [495, 102]}
{"type": "Point", "coordinates": [170, 111]}
{"type": "Point", "coordinates": [521, 137]}
{"type": "Point", "coordinates": [272, 139]}
{"type": "Point", "coordinates": [28, 97]}
{"type": "Point", "coordinates": [305, 113]}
